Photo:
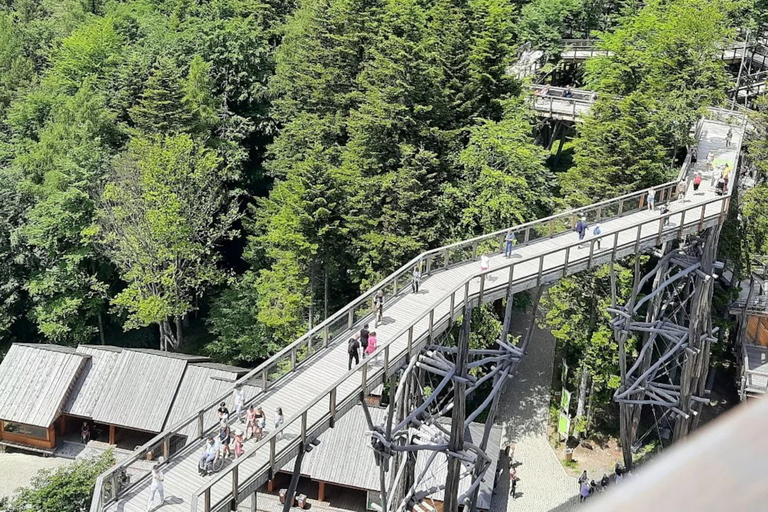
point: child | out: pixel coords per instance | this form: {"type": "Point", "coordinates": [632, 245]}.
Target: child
{"type": "Point", "coordinates": [484, 262]}
{"type": "Point", "coordinates": [251, 422]}
{"type": "Point", "coordinates": [596, 231]}
{"type": "Point", "coordinates": [239, 443]}
{"type": "Point", "coordinates": [696, 182]}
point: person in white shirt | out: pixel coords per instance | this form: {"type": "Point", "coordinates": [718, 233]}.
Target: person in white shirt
{"type": "Point", "coordinates": [238, 397]}
{"type": "Point", "coordinates": [155, 487]}
{"type": "Point", "coordinates": [279, 421]}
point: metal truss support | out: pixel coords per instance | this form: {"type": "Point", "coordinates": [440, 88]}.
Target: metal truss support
{"type": "Point", "coordinates": [670, 330]}
{"type": "Point", "coordinates": [422, 424]}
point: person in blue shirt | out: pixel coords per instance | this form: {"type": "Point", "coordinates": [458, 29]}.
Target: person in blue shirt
{"type": "Point", "coordinates": [510, 241]}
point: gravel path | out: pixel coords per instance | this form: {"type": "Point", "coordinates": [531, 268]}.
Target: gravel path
{"type": "Point", "coordinates": [543, 484]}
{"type": "Point", "coordinates": [17, 469]}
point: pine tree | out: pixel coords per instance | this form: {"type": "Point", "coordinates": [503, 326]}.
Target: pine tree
{"type": "Point", "coordinates": [163, 107]}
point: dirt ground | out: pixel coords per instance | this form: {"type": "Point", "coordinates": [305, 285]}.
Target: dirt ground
{"type": "Point", "coordinates": [597, 458]}
{"type": "Point", "coordinates": [17, 469]}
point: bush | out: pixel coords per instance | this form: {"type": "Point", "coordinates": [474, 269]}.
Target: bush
{"type": "Point", "coordinates": [65, 489]}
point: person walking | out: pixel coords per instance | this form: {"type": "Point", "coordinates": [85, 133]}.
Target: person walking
{"type": "Point", "coordinates": [710, 159]}
{"type": "Point", "coordinates": [239, 451]}
{"type": "Point", "coordinates": [513, 482]}
{"type": "Point", "coordinates": [279, 419]}
{"type": "Point", "coordinates": [568, 93]}
{"type": "Point", "coordinates": [583, 492]}
{"type": "Point", "coordinates": [583, 478]}
{"type": "Point", "coordinates": [696, 182]}
{"type": "Point", "coordinates": [225, 437]}
{"type": "Point", "coordinates": [509, 243]}
{"type": "Point", "coordinates": [596, 232]}
{"type": "Point", "coordinates": [651, 199]}
{"type": "Point", "coordinates": [251, 422]}
{"type": "Point", "coordinates": [156, 487]}
{"type": "Point", "coordinates": [363, 336]}
{"type": "Point", "coordinates": [728, 137]}
{"type": "Point", "coordinates": [619, 472]}
{"type": "Point", "coordinates": [261, 421]}
{"type": "Point", "coordinates": [238, 397]}
{"type": "Point", "coordinates": [682, 188]}
{"type": "Point", "coordinates": [484, 262]}
{"type": "Point", "coordinates": [581, 228]}
{"type": "Point", "coordinates": [352, 348]}
{"type": "Point", "coordinates": [416, 280]}
{"type": "Point", "coordinates": [222, 411]}
{"type": "Point", "coordinates": [371, 343]}
{"type": "Point", "coordinates": [378, 305]}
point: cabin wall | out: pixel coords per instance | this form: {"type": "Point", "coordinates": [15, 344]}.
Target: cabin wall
{"type": "Point", "coordinates": [36, 437]}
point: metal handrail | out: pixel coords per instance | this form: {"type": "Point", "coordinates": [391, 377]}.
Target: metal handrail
{"type": "Point", "coordinates": [366, 382]}
{"type": "Point", "coordinates": [427, 258]}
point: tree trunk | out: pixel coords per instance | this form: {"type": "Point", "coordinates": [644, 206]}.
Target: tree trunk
{"type": "Point", "coordinates": [583, 382]}
{"type": "Point", "coordinates": [311, 295]}
{"type": "Point", "coordinates": [101, 328]}
{"type": "Point", "coordinates": [325, 293]}
{"type": "Point", "coordinates": [179, 333]}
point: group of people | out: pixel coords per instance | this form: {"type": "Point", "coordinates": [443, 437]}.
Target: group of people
{"type": "Point", "coordinates": [363, 342]}
{"type": "Point", "coordinates": [582, 228]}
{"type": "Point", "coordinates": [225, 444]}
{"type": "Point", "coordinates": [589, 487]}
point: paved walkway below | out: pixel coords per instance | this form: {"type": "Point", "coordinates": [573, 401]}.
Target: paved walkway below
{"type": "Point", "coordinates": [543, 484]}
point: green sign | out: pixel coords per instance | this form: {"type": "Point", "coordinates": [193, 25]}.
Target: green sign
{"type": "Point", "coordinates": [564, 426]}
{"type": "Point", "coordinates": [565, 400]}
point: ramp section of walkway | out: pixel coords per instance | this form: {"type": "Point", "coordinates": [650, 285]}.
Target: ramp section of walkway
{"type": "Point", "coordinates": [309, 379]}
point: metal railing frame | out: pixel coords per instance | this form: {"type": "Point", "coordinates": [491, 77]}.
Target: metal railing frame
{"type": "Point", "coordinates": [370, 379]}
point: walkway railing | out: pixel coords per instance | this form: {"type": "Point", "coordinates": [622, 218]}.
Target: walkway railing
{"type": "Point", "coordinates": [318, 339]}
{"type": "Point", "coordinates": [553, 102]}
{"type": "Point", "coordinates": [551, 266]}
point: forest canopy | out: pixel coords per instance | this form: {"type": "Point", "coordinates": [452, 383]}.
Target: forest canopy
{"type": "Point", "coordinates": [218, 176]}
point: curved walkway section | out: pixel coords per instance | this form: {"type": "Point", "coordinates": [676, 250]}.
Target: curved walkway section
{"type": "Point", "coordinates": [315, 386]}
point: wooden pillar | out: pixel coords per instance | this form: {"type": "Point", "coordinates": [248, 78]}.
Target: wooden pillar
{"type": "Point", "coordinates": [456, 444]}
{"type": "Point", "coordinates": [254, 501]}
{"type": "Point", "coordinates": [111, 434]}
{"type": "Point", "coordinates": [62, 424]}
{"type": "Point", "coordinates": [271, 485]}
{"type": "Point", "coordinates": [321, 492]}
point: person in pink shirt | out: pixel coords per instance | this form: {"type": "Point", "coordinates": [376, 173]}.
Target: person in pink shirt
{"type": "Point", "coordinates": [371, 343]}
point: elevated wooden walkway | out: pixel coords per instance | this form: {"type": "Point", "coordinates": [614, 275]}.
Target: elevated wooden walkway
{"type": "Point", "coordinates": [309, 378]}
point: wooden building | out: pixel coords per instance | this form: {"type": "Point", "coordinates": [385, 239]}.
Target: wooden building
{"type": "Point", "coordinates": [35, 383]}
{"type": "Point", "coordinates": [344, 463]}
{"type": "Point", "coordinates": [126, 396]}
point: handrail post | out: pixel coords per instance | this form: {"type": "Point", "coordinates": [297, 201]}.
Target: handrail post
{"type": "Point", "coordinates": [234, 488]}
{"type": "Point", "coordinates": [293, 358]}
{"type": "Point", "coordinates": [394, 288]}
{"type": "Point", "coordinates": [410, 340]}
{"type": "Point", "coordinates": [527, 235]}
{"type": "Point", "coordinates": [682, 224]}
{"type": "Point", "coordinates": [166, 448]}
{"type": "Point", "coordinates": [304, 427]}
{"type": "Point", "coordinates": [541, 269]}
{"type": "Point", "coordinates": [482, 289]}
{"type": "Point", "coordinates": [591, 252]}
{"type": "Point", "coordinates": [351, 318]}
{"type": "Point", "coordinates": [364, 376]}
{"type": "Point", "coordinates": [466, 296]}
{"type": "Point", "coordinates": [200, 424]}
{"type": "Point", "coordinates": [431, 323]}
{"type": "Point", "coordinates": [637, 238]}
{"type": "Point", "coordinates": [325, 336]}
{"type": "Point", "coordinates": [428, 265]}
{"type": "Point", "coordinates": [265, 379]}
{"type": "Point", "coordinates": [386, 361]}
{"type": "Point", "coordinates": [474, 250]}
{"type": "Point", "coordinates": [661, 231]}
{"type": "Point", "coordinates": [621, 206]}
{"type": "Point", "coordinates": [453, 307]}
{"type": "Point", "coordinates": [207, 500]}
{"type": "Point", "coordinates": [567, 258]}
{"type": "Point", "coordinates": [272, 447]}
{"type": "Point", "coordinates": [446, 256]}
{"type": "Point", "coordinates": [115, 487]}
{"type": "Point", "coordinates": [332, 406]}
{"type": "Point", "coordinates": [615, 245]}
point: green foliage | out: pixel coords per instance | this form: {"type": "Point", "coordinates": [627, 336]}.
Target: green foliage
{"type": "Point", "coordinates": [578, 318]}
{"type": "Point", "coordinates": [622, 146]}
{"type": "Point", "coordinates": [543, 22]}
{"type": "Point", "coordinates": [162, 212]}
{"type": "Point", "coordinates": [755, 213]}
{"type": "Point", "coordinates": [68, 488]}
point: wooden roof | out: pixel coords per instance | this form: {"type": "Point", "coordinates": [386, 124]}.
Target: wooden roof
{"type": "Point", "coordinates": [203, 383]}
{"type": "Point", "coordinates": [35, 381]}
{"type": "Point", "coordinates": [94, 380]}
{"type": "Point", "coordinates": [142, 389]}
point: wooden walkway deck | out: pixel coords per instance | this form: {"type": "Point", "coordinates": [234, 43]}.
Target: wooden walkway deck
{"type": "Point", "coordinates": [307, 388]}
